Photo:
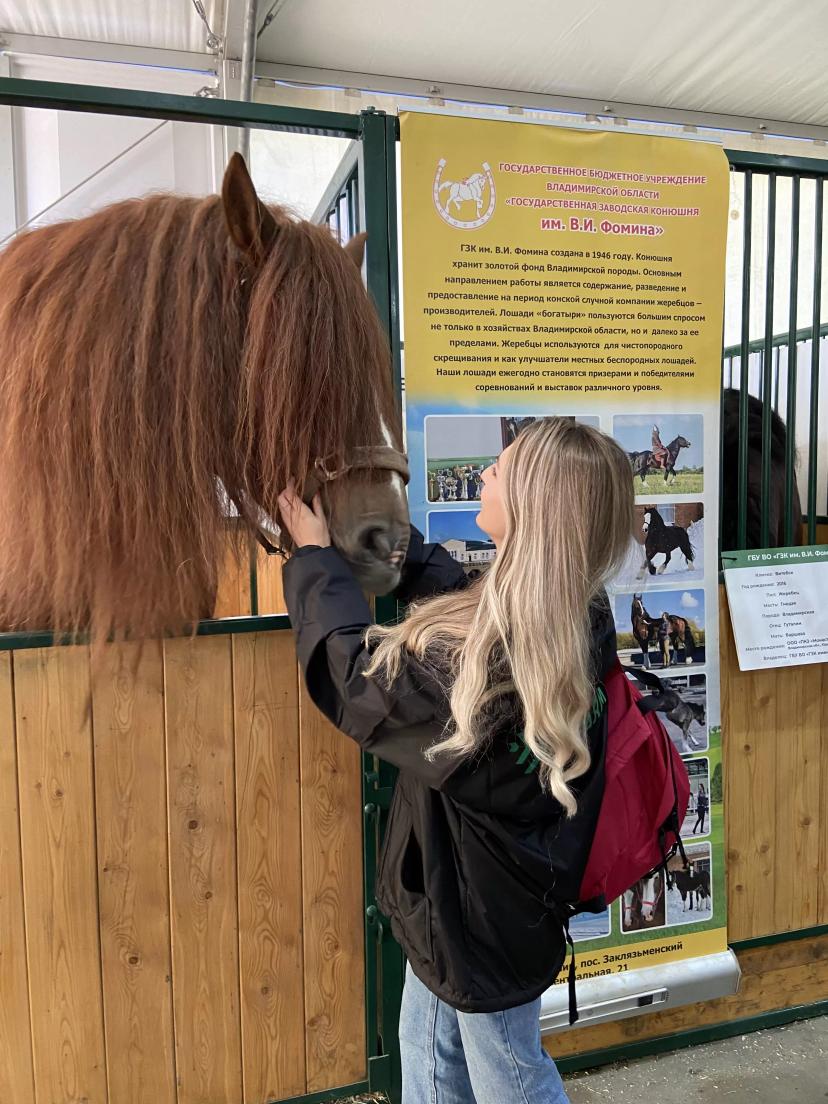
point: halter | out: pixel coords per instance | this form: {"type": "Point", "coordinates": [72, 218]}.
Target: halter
{"type": "Point", "coordinates": [359, 458]}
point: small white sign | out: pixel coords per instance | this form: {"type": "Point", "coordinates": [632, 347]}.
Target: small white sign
{"type": "Point", "coordinates": [778, 605]}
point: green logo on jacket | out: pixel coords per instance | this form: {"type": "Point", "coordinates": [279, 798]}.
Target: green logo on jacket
{"type": "Point", "coordinates": [525, 756]}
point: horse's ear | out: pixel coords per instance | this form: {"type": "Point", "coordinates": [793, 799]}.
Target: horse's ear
{"type": "Point", "coordinates": [252, 227]}
{"type": "Point", "coordinates": [355, 248]}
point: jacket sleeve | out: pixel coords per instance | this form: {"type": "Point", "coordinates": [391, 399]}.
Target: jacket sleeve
{"type": "Point", "coordinates": [329, 616]}
{"type": "Point", "coordinates": [428, 570]}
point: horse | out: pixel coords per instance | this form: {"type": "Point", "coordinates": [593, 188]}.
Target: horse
{"type": "Point", "coordinates": [694, 887]}
{"type": "Point", "coordinates": [165, 356]}
{"type": "Point", "coordinates": [463, 191]}
{"type": "Point", "coordinates": [643, 462]}
{"type": "Point", "coordinates": [777, 535]}
{"type": "Point", "coordinates": [681, 636]}
{"type": "Point", "coordinates": [643, 903]}
{"type": "Point", "coordinates": [662, 538]}
{"type": "Point", "coordinates": [665, 698]}
{"type": "Point", "coordinates": [644, 628]}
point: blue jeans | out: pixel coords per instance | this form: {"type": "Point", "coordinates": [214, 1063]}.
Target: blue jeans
{"type": "Point", "coordinates": [451, 1057]}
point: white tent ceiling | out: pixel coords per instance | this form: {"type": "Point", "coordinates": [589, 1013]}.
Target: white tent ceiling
{"type": "Point", "coordinates": [764, 59]}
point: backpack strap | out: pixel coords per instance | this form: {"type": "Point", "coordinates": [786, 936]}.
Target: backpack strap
{"type": "Point", "coordinates": [573, 1000]}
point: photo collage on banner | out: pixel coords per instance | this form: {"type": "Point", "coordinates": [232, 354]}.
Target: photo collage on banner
{"type": "Point", "coordinates": [552, 271]}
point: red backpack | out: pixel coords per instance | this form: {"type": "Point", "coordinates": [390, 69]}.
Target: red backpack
{"type": "Point", "coordinates": [646, 792]}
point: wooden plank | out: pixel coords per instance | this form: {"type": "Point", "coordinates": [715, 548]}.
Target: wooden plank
{"type": "Point", "coordinates": [798, 768]}
{"type": "Point", "coordinates": [16, 1066]}
{"type": "Point", "coordinates": [749, 739]}
{"type": "Point", "coordinates": [57, 815]}
{"type": "Point", "coordinates": [233, 595]}
{"type": "Point", "coordinates": [201, 815]}
{"type": "Point", "coordinates": [133, 876]}
{"type": "Point", "coordinates": [333, 905]}
{"type": "Point", "coordinates": [775, 977]}
{"type": "Point", "coordinates": [271, 594]}
{"type": "Point", "coordinates": [269, 865]}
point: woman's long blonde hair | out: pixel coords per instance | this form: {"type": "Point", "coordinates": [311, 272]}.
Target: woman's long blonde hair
{"type": "Point", "coordinates": [524, 627]}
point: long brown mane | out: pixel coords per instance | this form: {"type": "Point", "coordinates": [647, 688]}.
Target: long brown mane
{"type": "Point", "coordinates": [145, 358]}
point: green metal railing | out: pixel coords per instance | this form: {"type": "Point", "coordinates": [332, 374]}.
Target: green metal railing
{"type": "Point", "coordinates": [769, 171]}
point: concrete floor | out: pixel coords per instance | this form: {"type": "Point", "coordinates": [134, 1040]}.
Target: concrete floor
{"type": "Point", "coordinates": [784, 1065]}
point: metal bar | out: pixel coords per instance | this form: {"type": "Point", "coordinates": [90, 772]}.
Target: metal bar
{"type": "Point", "coordinates": [793, 354]}
{"type": "Point", "coordinates": [758, 344]}
{"type": "Point", "coordinates": [84, 181]}
{"type": "Point", "coordinates": [767, 366]}
{"type": "Point", "coordinates": [248, 60]}
{"type": "Point", "coordinates": [344, 171]}
{"type": "Point", "coordinates": [113, 53]}
{"type": "Point", "coordinates": [508, 97]}
{"type": "Point", "coordinates": [664, 1044]}
{"type": "Point", "coordinates": [184, 109]}
{"type": "Point", "coordinates": [225, 626]}
{"type": "Point", "coordinates": [779, 937]}
{"type": "Point", "coordinates": [744, 364]}
{"type": "Point", "coordinates": [776, 380]}
{"type": "Point", "coordinates": [781, 163]}
{"type": "Point", "coordinates": [813, 435]}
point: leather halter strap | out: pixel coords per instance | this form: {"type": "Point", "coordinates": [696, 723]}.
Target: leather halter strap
{"type": "Point", "coordinates": [359, 458]}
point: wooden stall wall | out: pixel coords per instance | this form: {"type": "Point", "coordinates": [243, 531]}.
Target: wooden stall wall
{"type": "Point", "coordinates": [181, 915]}
{"type": "Point", "coordinates": [775, 757]}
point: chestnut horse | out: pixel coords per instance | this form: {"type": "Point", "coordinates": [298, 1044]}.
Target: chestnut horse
{"type": "Point", "coordinates": [160, 357]}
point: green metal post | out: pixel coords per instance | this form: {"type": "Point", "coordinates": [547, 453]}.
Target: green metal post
{"type": "Point", "coordinates": [813, 436]}
{"type": "Point", "coordinates": [767, 368]}
{"type": "Point", "coordinates": [793, 352]}
{"type": "Point", "coordinates": [379, 190]}
{"type": "Point", "coordinates": [744, 363]}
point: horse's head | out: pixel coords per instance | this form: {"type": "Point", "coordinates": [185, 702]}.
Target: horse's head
{"type": "Point", "coordinates": [650, 895]}
{"type": "Point", "coordinates": [648, 517]}
{"type": "Point", "coordinates": [318, 375]}
{"type": "Point", "coordinates": [682, 442]}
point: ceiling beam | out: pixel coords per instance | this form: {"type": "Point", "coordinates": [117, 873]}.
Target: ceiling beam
{"type": "Point", "coordinates": [119, 53]}
{"type": "Point", "coordinates": [537, 101]}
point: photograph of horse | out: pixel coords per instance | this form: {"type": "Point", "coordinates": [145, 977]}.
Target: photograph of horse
{"type": "Point", "coordinates": [681, 703]}
{"type": "Point", "coordinates": [690, 887]}
{"type": "Point", "coordinates": [667, 446]}
{"type": "Point", "coordinates": [668, 539]}
{"type": "Point", "coordinates": [673, 637]}
{"type": "Point", "coordinates": [643, 905]}
{"type": "Point", "coordinates": [164, 356]}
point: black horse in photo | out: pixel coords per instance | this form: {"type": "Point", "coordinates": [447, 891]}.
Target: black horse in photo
{"type": "Point", "coordinates": [644, 462]}
{"type": "Point", "coordinates": [644, 627]}
{"type": "Point", "coordinates": [666, 699]}
{"type": "Point", "coordinates": [659, 537]}
{"type": "Point", "coordinates": [694, 886]}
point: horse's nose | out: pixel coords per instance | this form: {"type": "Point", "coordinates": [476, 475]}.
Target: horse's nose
{"type": "Point", "coordinates": [384, 541]}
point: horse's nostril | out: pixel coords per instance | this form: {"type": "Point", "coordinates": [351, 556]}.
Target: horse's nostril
{"type": "Point", "coordinates": [377, 541]}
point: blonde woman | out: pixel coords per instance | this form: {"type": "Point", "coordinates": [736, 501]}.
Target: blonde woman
{"type": "Point", "coordinates": [485, 699]}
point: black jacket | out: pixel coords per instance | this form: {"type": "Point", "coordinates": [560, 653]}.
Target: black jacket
{"type": "Point", "coordinates": [477, 859]}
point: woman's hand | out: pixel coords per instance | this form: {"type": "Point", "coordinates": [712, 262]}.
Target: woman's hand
{"type": "Point", "coordinates": [306, 525]}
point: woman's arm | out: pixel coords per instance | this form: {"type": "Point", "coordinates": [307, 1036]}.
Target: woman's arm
{"type": "Point", "coordinates": [428, 570]}
{"type": "Point", "coordinates": [329, 616]}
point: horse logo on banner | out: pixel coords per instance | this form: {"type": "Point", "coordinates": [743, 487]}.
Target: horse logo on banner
{"type": "Point", "coordinates": [454, 198]}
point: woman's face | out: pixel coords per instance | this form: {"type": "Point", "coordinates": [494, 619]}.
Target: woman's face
{"type": "Point", "coordinates": [492, 516]}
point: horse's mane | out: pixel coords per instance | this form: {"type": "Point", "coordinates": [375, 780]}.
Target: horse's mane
{"type": "Point", "coordinates": [145, 359]}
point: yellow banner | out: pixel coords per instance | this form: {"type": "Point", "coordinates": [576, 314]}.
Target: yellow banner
{"type": "Point", "coordinates": [581, 273]}
{"type": "Point", "coordinates": [556, 263]}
